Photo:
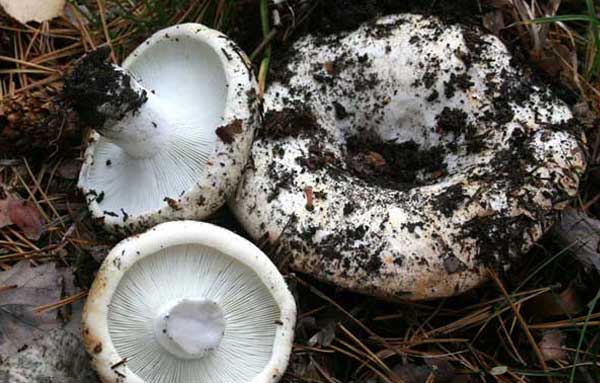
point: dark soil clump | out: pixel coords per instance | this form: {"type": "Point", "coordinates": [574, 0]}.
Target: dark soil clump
{"type": "Point", "coordinates": [513, 162]}
{"type": "Point", "coordinates": [228, 132]}
{"type": "Point", "coordinates": [317, 158]}
{"type": "Point", "coordinates": [452, 120]}
{"type": "Point", "coordinates": [289, 122]}
{"type": "Point", "coordinates": [461, 82]}
{"type": "Point", "coordinates": [498, 238]}
{"type": "Point", "coordinates": [450, 200]}
{"type": "Point", "coordinates": [95, 83]}
{"type": "Point", "coordinates": [393, 165]}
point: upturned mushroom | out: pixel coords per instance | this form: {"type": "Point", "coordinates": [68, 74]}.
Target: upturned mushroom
{"type": "Point", "coordinates": [406, 157]}
{"type": "Point", "coordinates": [188, 302]}
{"type": "Point", "coordinates": [173, 127]}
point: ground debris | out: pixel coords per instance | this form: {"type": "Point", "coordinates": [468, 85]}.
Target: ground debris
{"type": "Point", "coordinates": [582, 232]}
{"type": "Point", "coordinates": [23, 288]}
{"type": "Point", "coordinates": [23, 213]}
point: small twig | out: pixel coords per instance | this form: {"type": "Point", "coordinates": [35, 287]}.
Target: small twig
{"type": "Point", "coordinates": [63, 302]}
{"type": "Point", "coordinates": [266, 41]}
{"type": "Point", "coordinates": [105, 28]}
{"type": "Point", "coordinates": [7, 287]}
{"type": "Point", "coordinates": [264, 65]}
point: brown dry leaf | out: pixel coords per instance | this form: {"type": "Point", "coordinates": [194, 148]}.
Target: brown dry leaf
{"type": "Point", "coordinates": [24, 214]}
{"type": "Point", "coordinates": [33, 10]}
{"type": "Point", "coordinates": [549, 304]}
{"type": "Point", "coordinates": [27, 217]}
{"type": "Point", "coordinates": [551, 345]}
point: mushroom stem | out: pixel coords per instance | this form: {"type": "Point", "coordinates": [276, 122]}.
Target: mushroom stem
{"type": "Point", "coordinates": [108, 98]}
{"type": "Point", "coordinates": [189, 328]}
{"type": "Point", "coordinates": [139, 125]}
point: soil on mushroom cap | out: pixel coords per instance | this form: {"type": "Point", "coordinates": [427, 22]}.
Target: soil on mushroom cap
{"type": "Point", "coordinates": [450, 200]}
{"type": "Point", "coordinates": [499, 239]}
{"type": "Point", "coordinates": [399, 166]}
{"type": "Point", "coordinates": [289, 122]}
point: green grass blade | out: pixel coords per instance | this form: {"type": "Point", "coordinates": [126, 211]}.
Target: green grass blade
{"type": "Point", "coordinates": [591, 8]}
{"type": "Point", "coordinates": [554, 19]}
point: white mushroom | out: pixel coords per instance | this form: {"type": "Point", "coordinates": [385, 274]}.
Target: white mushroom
{"type": "Point", "coordinates": [189, 302]}
{"type": "Point", "coordinates": [404, 158]}
{"type": "Point", "coordinates": [174, 127]}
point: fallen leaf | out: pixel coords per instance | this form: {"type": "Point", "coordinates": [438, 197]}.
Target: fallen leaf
{"type": "Point", "coordinates": [580, 231]}
{"type": "Point", "coordinates": [494, 21]}
{"type": "Point", "coordinates": [551, 345]}
{"type": "Point", "coordinates": [550, 304]}
{"type": "Point", "coordinates": [33, 10]}
{"type": "Point", "coordinates": [325, 336]}
{"type": "Point", "coordinates": [35, 286]}
{"type": "Point", "coordinates": [56, 356]}
{"type": "Point", "coordinates": [584, 113]}
{"type": "Point", "coordinates": [26, 216]}
{"type": "Point", "coordinates": [329, 67]}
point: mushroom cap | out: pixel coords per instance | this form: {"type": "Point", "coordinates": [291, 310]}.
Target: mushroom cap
{"type": "Point", "coordinates": [406, 157]}
{"type": "Point", "coordinates": [207, 93]}
{"type": "Point", "coordinates": [191, 267]}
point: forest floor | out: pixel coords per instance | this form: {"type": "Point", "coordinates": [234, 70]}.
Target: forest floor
{"type": "Point", "coordinates": [538, 322]}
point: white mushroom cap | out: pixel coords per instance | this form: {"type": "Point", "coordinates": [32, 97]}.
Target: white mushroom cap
{"type": "Point", "coordinates": [488, 157]}
{"type": "Point", "coordinates": [189, 302]}
{"type": "Point", "coordinates": [176, 126]}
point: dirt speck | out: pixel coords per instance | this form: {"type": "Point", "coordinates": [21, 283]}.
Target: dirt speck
{"type": "Point", "coordinates": [228, 132]}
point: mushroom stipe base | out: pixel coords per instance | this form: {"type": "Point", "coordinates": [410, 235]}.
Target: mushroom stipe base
{"type": "Point", "coordinates": [189, 328]}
